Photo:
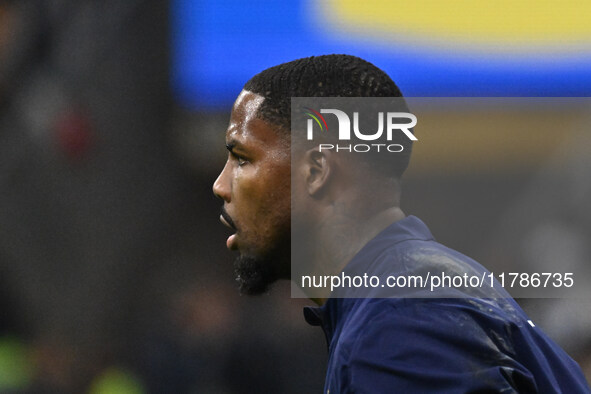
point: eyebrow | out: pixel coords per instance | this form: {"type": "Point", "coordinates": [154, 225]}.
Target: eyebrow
{"type": "Point", "coordinates": [230, 145]}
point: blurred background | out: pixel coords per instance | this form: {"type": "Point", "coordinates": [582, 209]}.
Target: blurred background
{"type": "Point", "coordinates": [114, 276]}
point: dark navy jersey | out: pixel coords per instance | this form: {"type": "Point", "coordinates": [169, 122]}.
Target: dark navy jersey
{"type": "Point", "coordinates": [454, 343]}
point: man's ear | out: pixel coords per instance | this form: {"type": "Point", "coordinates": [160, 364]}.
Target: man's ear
{"type": "Point", "coordinates": [318, 170]}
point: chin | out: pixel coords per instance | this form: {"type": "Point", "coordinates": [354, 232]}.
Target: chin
{"type": "Point", "coordinates": [254, 275]}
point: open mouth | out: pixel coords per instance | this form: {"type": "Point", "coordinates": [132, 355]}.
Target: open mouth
{"type": "Point", "coordinates": [226, 219]}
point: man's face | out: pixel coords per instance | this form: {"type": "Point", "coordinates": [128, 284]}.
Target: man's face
{"type": "Point", "coordinates": [255, 188]}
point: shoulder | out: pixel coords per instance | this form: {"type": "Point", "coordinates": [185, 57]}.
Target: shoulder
{"type": "Point", "coordinates": [426, 345]}
{"type": "Point", "coordinates": [452, 345]}
{"type": "Point", "coordinates": [473, 321]}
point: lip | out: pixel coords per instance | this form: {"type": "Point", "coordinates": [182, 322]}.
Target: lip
{"type": "Point", "coordinates": [231, 242]}
{"type": "Point", "coordinates": [227, 219]}
{"type": "Point", "coordinates": [228, 222]}
{"type": "Point", "coordinates": [225, 223]}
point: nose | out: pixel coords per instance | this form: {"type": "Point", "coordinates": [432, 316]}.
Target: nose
{"type": "Point", "coordinates": [221, 186]}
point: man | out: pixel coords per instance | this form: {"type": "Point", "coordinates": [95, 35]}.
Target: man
{"type": "Point", "coordinates": [343, 210]}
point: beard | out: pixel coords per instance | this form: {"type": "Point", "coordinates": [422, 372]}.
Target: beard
{"type": "Point", "coordinates": [253, 274]}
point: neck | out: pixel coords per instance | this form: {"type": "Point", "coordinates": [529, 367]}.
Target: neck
{"type": "Point", "coordinates": [341, 236]}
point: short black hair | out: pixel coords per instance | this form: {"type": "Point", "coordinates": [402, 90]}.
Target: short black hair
{"type": "Point", "coordinates": [323, 76]}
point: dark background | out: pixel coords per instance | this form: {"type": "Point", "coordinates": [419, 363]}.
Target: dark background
{"type": "Point", "coordinates": [113, 269]}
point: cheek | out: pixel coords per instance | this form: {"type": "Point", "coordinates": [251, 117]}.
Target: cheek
{"type": "Point", "coordinates": [269, 194]}
{"type": "Point", "coordinates": [300, 198]}
{"type": "Point", "coordinates": [281, 189]}
{"type": "Point", "coordinates": [250, 194]}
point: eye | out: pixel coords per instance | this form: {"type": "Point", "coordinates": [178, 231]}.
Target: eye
{"type": "Point", "coordinates": [241, 160]}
